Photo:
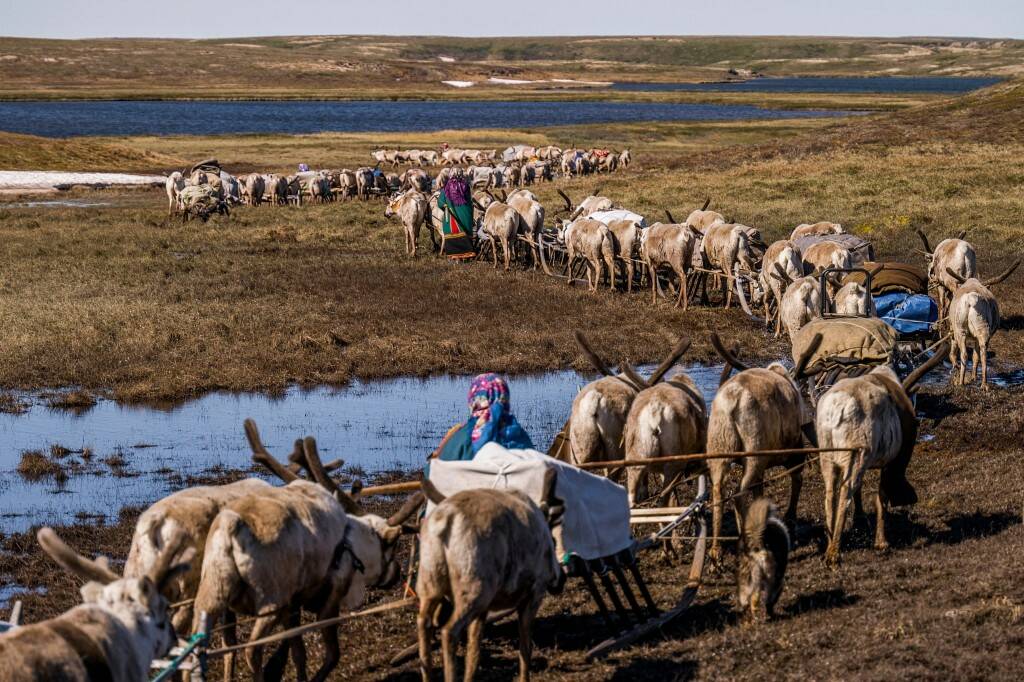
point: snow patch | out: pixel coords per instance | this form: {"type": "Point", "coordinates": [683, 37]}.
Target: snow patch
{"type": "Point", "coordinates": [60, 179]}
{"type": "Point", "coordinates": [511, 81]}
{"type": "Point", "coordinates": [446, 59]}
{"type": "Point", "coordinates": [459, 84]}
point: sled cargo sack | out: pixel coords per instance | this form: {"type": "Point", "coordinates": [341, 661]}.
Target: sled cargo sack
{"type": "Point", "coordinates": [596, 519]}
{"type": "Point", "coordinates": [860, 249]}
{"type": "Point", "coordinates": [848, 340]}
{"type": "Point", "coordinates": [889, 278]}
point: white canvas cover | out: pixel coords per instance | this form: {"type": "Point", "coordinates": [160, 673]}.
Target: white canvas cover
{"type": "Point", "coordinates": [596, 519]}
{"type": "Point", "coordinates": [618, 214]}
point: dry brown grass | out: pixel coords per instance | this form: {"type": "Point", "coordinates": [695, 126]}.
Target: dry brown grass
{"type": "Point", "coordinates": [34, 465]}
{"type": "Point", "coordinates": [28, 152]}
{"type": "Point", "coordinates": [119, 298]}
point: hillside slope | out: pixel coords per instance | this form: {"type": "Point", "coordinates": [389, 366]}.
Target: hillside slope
{"type": "Point", "coordinates": [309, 65]}
{"type": "Point", "coordinates": [28, 152]}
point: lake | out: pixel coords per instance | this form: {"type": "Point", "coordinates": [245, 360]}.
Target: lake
{"type": "Point", "coordinates": [66, 119]}
{"type": "Point", "coordinates": [949, 85]}
{"type": "Point", "coordinates": [375, 425]}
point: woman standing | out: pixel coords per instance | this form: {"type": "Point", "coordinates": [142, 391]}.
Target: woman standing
{"type": "Point", "coordinates": [456, 200]}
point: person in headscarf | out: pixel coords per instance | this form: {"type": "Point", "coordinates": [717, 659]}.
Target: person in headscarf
{"type": "Point", "coordinates": [456, 200]}
{"type": "Point", "coordinates": [303, 168]}
{"type": "Point", "coordinates": [490, 421]}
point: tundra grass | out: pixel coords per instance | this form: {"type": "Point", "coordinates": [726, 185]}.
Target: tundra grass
{"type": "Point", "coordinates": [317, 66]}
{"type": "Point", "coordinates": [122, 298]}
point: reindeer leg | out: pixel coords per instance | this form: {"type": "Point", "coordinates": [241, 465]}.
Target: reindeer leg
{"type": "Point", "coordinates": [473, 637]}
{"type": "Point", "coordinates": [254, 655]}
{"type": "Point", "coordinates": [450, 634]}
{"type": "Point", "coordinates": [842, 503]}
{"type": "Point", "coordinates": [526, 618]}
{"type": "Point", "coordinates": [718, 470]}
{"type": "Point", "coordinates": [332, 653]}
{"type": "Point", "coordinates": [983, 352]}
{"type": "Point", "coordinates": [828, 475]}
{"type": "Point", "coordinates": [230, 636]}
{"type": "Point", "coordinates": [504, 248]}
{"type": "Point", "coordinates": [425, 636]}
{"type": "Point", "coordinates": [796, 483]}
{"type": "Point", "coordinates": [880, 508]}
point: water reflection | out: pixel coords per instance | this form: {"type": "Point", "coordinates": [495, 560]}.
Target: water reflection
{"type": "Point", "coordinates": [375, 425]}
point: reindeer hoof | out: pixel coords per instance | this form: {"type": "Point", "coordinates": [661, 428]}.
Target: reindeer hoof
{"type": "Point", "coordinates": [882, 546]}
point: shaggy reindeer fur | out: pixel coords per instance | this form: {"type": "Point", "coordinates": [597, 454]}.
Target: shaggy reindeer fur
{"type": "Point", "coordinates": [592, 241]}
{"type": "Point", "coordinates": [187, 513]}
{"type": "Point", "coordinates": [501, 223]}
{"type": "Point", "coordinates": [726, 245]}
{"type": "Point", "coordinates": [823, 255]}
{"type": "Point", "coordinates": [668, 418]}
{"type": "Point", "coordinates": [671, 245]}
{"type": "Point", "coordinates": [800, 304]}
{"type": "Point", "coordinates": [786, 255]}
{"type": "Point", "coordinates": [484, 550]}
{"type": "Point", "coordinates": [874, 417]}
{"type": "Point", "coordinates": [532, 213]}
{"type": "Point", "coordinates": [952, 262]}
{"type": "Point", "coordinates": [853, 300]}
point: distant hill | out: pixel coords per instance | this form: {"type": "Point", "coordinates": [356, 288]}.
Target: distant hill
{"type": "Point", "coordinates": [993, 115]}
{"type": "Point", "coordinates": [305, 66]}
{"type": "Point", "coordinates": [27, 152]}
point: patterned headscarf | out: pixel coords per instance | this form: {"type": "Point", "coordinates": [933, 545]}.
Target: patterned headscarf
{"type": "Point", "coordinates": [491, 415]}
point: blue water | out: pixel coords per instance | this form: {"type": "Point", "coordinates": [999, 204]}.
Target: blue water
{"type": "Point", "coordinates": [66, 119]}
{"type": "Point", "coordinates": [876, 84]}
{"type": "Point", "coordinates": [375, 425]}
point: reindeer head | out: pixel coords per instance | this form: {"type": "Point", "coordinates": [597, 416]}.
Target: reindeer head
{"type": "Point", "coordinates": [763, 555]}
{"type": "Point", "coordinates": [138, 603]}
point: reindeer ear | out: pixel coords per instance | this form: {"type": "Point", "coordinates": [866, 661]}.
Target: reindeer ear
{"type": "Point", "coordinates": [91, 592]}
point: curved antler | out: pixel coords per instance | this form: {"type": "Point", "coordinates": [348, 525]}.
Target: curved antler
{"type": "Point", "coordinates": [73, 562]}
{"type": "Point", "coordinates": [924, 238]}
{"type": "Point", "coordinates": [631, 377]}
{"type": "Point", "coordinates": [316, 467]}
{"type": "Point", "coordinates": [727, 368]}
{"type": "Point", "coordinates": [781, 274]}
{"type": "Point", "coordinates": [956, 275]}
{"type": "Point", "coordinates": [568, 201]}
{"type": "Point", "coordinates": [1000, 278]}
{"type": "Point", "coordinates": [594, 358]}
{"type": "Point", "coordinates": [668, 215]}
{"type": "Point", "coordinates": [707, 202]}
{"type": "Point", "coordinates": [261, 456]}
{"type": "Point", "coordinates": [726, 355]}
{"type": "Point", "coordinates": [431, 492]}
{"type": "Point", "coordinates": [933, 361]}
{"type": "Point", "coordinates": [414, 502]}
{"type": "Point", "coordinates": [671, 359]}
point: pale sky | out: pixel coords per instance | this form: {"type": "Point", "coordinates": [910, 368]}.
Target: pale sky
{"type": "Point", "coordinates": [234, 18]}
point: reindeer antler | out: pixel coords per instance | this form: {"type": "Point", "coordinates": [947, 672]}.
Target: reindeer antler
{"type": "Point", "coordinates": [414, 502]}
{"type": "Point", "coordinates": [726, 355]}
{"type": "Point", "coordinates": [707, 202]}
{"type": "Point", "coordinates": [317, 469]}
{"type": "Point", "coordinates": [918, 374]}
{"type": "Point", "coordinates": [668, 215]}
{"type": "Point", "coordinates": [681, 347]}
{"type": "Point", "coordinates": [780, 274]}
{"type": "Point", "coordinates": [261, 456]}
{"type": "Point", "coordinates": [634, 379]}
{"type": "Point", "coordinates": [594, 358]}
{"type": "Point", "coordinates": [568, 201]}
{"type": "Point", "coordinates": [1000, 278]}
{"type": "Point", "coordinates": [73, 562]}
{"type": "Point", "coordinates": [956, 275]}
{"type": "Point", "coordinates": [727, 368]}
{"type": "Point", "coordinates": [924, 239]}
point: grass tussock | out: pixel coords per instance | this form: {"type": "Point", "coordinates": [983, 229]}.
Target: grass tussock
{"type": "Point", "coordinates": [35, 466]}
{"type": "Point", "coordinates": [72, 400]}
{"type": "Point", "coordinates": [12, 404]}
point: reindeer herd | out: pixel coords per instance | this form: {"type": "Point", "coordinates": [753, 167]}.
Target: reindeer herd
{"type": "Point", "coordinates": [269, 554]}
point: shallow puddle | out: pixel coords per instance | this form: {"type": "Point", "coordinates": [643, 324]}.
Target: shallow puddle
{"type": "Point", "coordinates": [373, 425]}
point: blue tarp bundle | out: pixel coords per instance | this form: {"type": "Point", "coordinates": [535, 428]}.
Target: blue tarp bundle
{"type": "Point", "coordinates": [907, 313]}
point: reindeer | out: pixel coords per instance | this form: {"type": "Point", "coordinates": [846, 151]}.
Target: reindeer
{"type": "Point", "coordinates": [272, 553]}
{"type": "Point", "coordinates": [853, 300]}
{"type": "Point", "coordinates": [954, 255]}
{"type": "Point", "coordinates": [974, 318]}
{"type": "Point", "coordinates": [485, 550]}
{"type": "Point", "coordinates": [187, 514]}
{"type": "Point", "coordinates": [823, 255]}
{"type": "Point", "coordinates": [786, 255]}
{"type": "Point", "coordinates": [501, 223]}
{"type": "Point", "coordinates": [728, 246]}
{"type": "Point", "coordinates": [121, 626]}
{"type": "Point", "coordinates": [801, 301]}
{"type": "Point", "coordinates": [758, 409]}
{"type": "Point", "coordinates": [763, 555]}
{"type": "Point", "coordinates": [672, 245]}
{"type": "Point", "coordinates": [175, 183]}
{"type": "Point", "coordinates": [871, 415]}
{"type": "Point", "coordinates": [411, 207]}
{"type": "Point", "coordinates": [667, 418]}
{"type": "Point", "coordinates": [532, 224]}
{"type": "Point", "coordinates": [592, 241]}
{"type": "Point", "coordinates": [590, 204]}
{"type": "Point", "coordinates": [625, 158]}
{"type": "Point", "coordinates": [701, 219]}
{"type": "Point", "coordinates": [816, 229]}
{"type": "Point", "coordinates": [626, 235]}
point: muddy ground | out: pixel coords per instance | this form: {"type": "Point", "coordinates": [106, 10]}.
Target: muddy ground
{"type": "Point", "coordinates": [943, 602]}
